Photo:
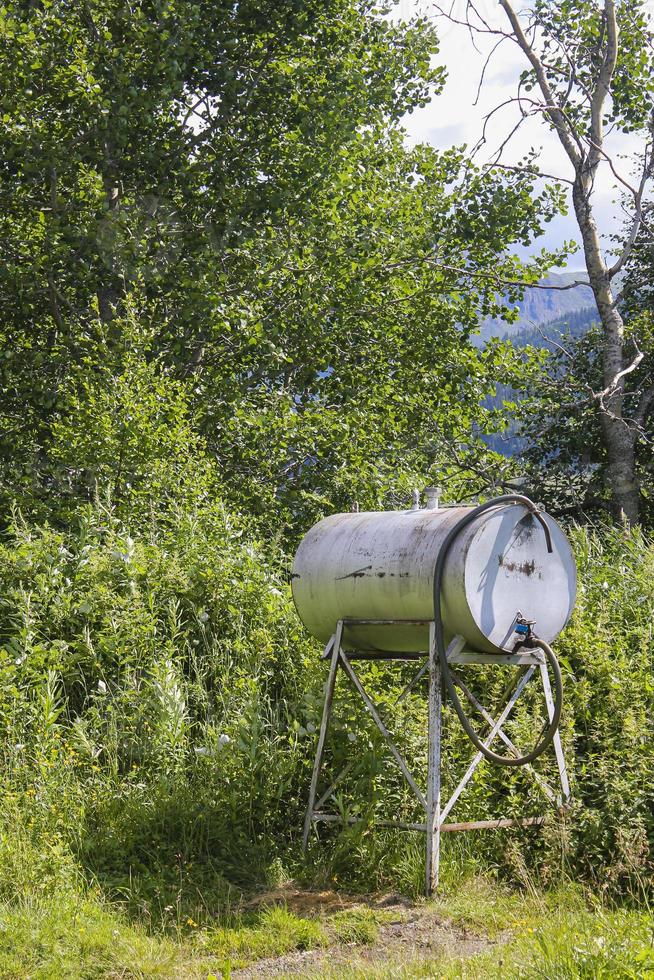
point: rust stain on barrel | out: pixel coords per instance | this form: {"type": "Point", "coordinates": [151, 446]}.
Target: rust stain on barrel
{"type": "Point", "coordinates": [524, 568]}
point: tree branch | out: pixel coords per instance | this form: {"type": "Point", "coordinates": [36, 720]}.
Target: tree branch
{"type": "Point", "coordinates": [500, 280]}
{"type": "Point", "coordinates": [613, 386]}
{"type": "Point", "coordinates": [526, 169]}
{"type": "Point", "coordinates": [485, 67]}
{"type": "Point", "coordinates": [556, 114]}
{"type": "Point", "coordinates": [638, 219]}
{"type": "Point", "coordinates": [601, 92]}
{"type": "Point", "coordinates": [558, 346]}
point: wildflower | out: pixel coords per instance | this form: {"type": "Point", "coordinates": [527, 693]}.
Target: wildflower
{"type": "Point", "coordinates": [224, 739]}
{"type": "Point", "coordinates": [201, 750]}
{"type": "Point", "coordinates": [102, 687]}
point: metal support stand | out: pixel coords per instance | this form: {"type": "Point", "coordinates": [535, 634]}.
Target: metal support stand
{"type": "Point", "coordinates": [434, 766]}
{"type": "Point", "coordinates": [435, 816]}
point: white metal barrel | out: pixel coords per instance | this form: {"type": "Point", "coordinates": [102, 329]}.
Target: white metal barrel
{"type": "Point", "coordinates": [380, 565]}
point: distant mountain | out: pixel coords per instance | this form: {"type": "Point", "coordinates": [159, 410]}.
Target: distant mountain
{"type": "Point", "coordinates": [541, 306]}
{"type": "Point", "coordinates": [548, 335]}
{"type": "Point", "coordinates": [574, 324]}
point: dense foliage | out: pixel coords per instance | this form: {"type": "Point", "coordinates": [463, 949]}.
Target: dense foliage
{"type": "Point", "coordinates": [562, 452]}
{"type": "Point", "coordinates": [159, 703]}
{"type": "Point", "coordinates": [215, 204]}
{"type": "Point", "coordinates": [153, 695]}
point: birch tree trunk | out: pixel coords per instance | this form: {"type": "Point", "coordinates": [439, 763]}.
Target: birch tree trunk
{"type": "Point", "coordinates": [581, 135]}
{"type": "Point", "coordinates": [619, 435]}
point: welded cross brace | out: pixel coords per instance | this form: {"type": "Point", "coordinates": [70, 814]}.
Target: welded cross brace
{"type": "Point", "coordinates": [435, 816]}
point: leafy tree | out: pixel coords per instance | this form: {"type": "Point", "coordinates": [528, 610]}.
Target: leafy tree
{"type": "Point", "coordinates": [561, 442]}
{"type": "Point", "coordinates": [558, 421]}
{"type": "Point", "coordinates": [588, 68]}
{"type": "Point", "coordinates": [129, 433]}
{"type": "Point", "coordinates": [636, 291]}
{"type": "Point", "coordinates": [234, 181]}
{"type": "Point", "coordinates": [366, 374]}
{"type": "Point", "coordinates": [140, 142]}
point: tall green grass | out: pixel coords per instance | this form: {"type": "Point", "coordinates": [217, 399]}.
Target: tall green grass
{"type": "Point", "coordinates": [154, 704]}
{"type": "Point", "coordinates": [159, 704]}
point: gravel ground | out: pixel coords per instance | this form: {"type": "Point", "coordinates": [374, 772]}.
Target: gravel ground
{"type": "Point", "coordinates": [413, 933]}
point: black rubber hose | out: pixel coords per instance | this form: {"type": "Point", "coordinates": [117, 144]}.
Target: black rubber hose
{"type": "Point", "coordinates": [548, 735]}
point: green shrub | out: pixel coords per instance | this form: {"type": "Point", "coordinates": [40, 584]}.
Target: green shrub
{"type": "Point", "coordinates": [608, 655]}
{"type": "Point", "coordinates": [159, 702]}
{"type": "Point", "coordinates": [155, 694]}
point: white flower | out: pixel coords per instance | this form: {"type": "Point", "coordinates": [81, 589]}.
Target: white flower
{"type": "Point", "coordinates": [351, 737]}
{"type": "Point", "coordinates": [102, 687]}
{"type": "Point", "coordinates": [201, 750]}
{"type": "Point", "coordinates": [203, 616]}
{"type": "Point", "coordinates": [224, 739]}
{"type": "Point", "coordinates": [19, 746]}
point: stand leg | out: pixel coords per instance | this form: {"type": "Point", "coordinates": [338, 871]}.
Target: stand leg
{"type": "Point", "coordinates": [329, 697]}
{"type": "Point", "coordinates": [558, 748]}
{"type": "Point", "coordinates": [434, 767]}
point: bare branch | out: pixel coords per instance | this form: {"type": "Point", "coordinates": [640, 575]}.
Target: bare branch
{"type": "Point", "coordinates": [472, 28]}
{"type": "Point", "coordinates": [620, 179]}
{"type": "Point", "coordinates": [486, 63]}
{"type": "Point", "coordinates": [507, 139]}
{"type": "Point", "coordinates": [602, 89]}
{"type": "Point", "coordinates": [556, 114]}
{"type": "Point", "coordinates": [613, 386]}
{"type": "Point", "coordinates": [472, 6]}
{"type": "Point", "coordinates": [638, 219]}
{"type": "Point", "coordinates": [554, 343]}
{"type": "Point", "coordinates": [526, 169]}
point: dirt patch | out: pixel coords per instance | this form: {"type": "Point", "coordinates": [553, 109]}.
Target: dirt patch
{"type": "Point", "coordinates": [410, 934]}
{"type": "Point", "coordinates": [305, 902]}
